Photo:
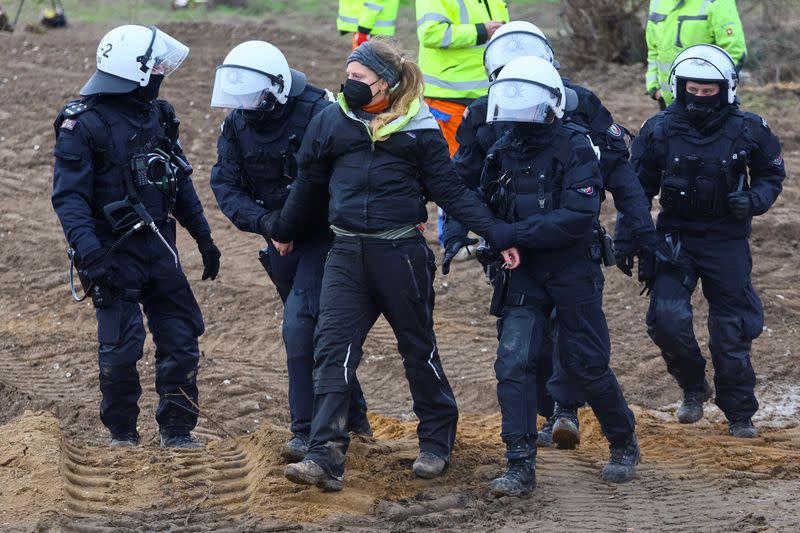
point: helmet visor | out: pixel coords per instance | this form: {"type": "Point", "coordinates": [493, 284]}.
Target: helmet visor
{"type": "Point", "coordinates": [513, 45]}
{"type": "Point", "coordinates": [515, 100]}
{"type": "Point", "coordinates": [168, 53]}
{"type": "Point", "coordinates": [238, 87]}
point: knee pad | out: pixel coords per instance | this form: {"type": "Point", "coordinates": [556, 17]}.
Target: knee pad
{"type": "Point", "coordinates": [668, 319]}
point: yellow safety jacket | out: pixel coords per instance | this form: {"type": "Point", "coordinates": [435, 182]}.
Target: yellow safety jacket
{"type": "Point", "coordinates": [673, 25]}
{"type": "Point", "coordinates": [377, 16]}
{"type": "Point", "coordinates": [451, 45]}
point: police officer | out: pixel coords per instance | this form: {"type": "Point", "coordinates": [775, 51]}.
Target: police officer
{"type": "Point", "coordinates": [673, 25]}
{"type": "Point", "coordinates": [696, 154]}
{"type": "Point", "coordinates": [584, 113]}
{"type": "Point", "coordinates": [544, 179]}
{"type": "Point", "coordinates": [272, 105]}
{"type": "Point", "coordinates": [381, 154]}
{"type": "Point", "coordinates": [120, 178]}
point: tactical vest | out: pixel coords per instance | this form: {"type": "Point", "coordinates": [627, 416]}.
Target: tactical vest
{"type": "Point", "coordinates": [267, 153]}
{"type": "Point", "coordinates": [531, 183]}
{"type": "Point", "coordinates": [699, 172]}
{"type": "Point", "coordinates": [130, 153]}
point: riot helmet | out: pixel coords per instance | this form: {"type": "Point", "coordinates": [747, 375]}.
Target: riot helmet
{"type": "Point", "coordinates": [512, 40]}
{"type": "Point", "coordinates": [528, 90]}
{"type": "Point", "coordinates": [127, 56]}
{"type": "Point", "coordinates": [255, 76]}
{"type": "Point", "coordinates": [704, 63]}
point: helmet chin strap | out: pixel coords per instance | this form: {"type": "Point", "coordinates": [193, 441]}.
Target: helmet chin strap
{"type": "Point", "coordinates": [145, 59]}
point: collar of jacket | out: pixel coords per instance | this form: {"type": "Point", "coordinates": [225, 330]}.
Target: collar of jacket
{"type": "Point", "coordinates": [418, 117]}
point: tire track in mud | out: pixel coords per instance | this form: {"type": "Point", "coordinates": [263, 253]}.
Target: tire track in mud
{"type": "Point", "coordinates": [199, 490]}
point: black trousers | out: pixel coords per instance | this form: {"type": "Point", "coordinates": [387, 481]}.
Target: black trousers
{"type": "Point", "coordinates": [363, 279]}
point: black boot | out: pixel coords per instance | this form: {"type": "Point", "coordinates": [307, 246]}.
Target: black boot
{"type": "Point", "coordinates": [307, 472]}
{"type": "Point", "coordinates": [428, 465]}
{"type": "Point", "coordinates": [295, 448]}
{"type": "Point", "coordinates": [519, 479]}
{"type": "Point", "coordinates": [544, 439]}
{"type": "Point", "coordinates": [691, 409]}
{"type": "Point", "coordinates": [743, 429]}
{"type": "Point", "coordinates": [623, 461]}
{"type": "Point", "coordinates": [566, 429]}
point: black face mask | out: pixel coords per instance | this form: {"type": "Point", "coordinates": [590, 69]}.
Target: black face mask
{"type": "Point", "coordinates": [535, 134]}
{"type": "Point", "coordinates": [150, 91]}
{"type": "Point", "coordinates": [357, 94]}
{"type": "Point", "coordinates": [700, 108]}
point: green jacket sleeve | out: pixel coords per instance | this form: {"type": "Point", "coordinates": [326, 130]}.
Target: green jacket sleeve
{"type": "Point", "coordinates": [369, 13]}
{"type": "Point", "coordinates": [436, 30]}
{"type": "Point", "coordinates": [651, 76]}
{"type": "Point", "coordinates": [723, 18]}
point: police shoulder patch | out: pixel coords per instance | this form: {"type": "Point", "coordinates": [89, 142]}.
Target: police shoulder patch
{"type": "Point", "coordinates": [588, 190]}
{"type": "Point", "coordinates": [615, 131]}
{"type": "Point", "coordinates": [74, 109]}
{"type": "Point", "coordinates": [777, 161]}
{"type": "Point", "coordinates": [69, 124]}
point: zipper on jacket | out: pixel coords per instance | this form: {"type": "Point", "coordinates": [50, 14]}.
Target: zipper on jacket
{"type": "Point", "coordinates": [488, 9]}
{"type": "Point", "coordinates": [541, 191]}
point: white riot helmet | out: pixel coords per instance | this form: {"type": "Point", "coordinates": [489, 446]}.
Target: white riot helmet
{"type": "Point", "coordinates": [512, 40]}
{"type": "Point", "coordinates": [255, 75]}
{"type": "Point", "coordinates": [127, 55]}
{"type": "Point", "coordinates": [704, 63]}
{"type": "Point", "coordinates": [528, 89]}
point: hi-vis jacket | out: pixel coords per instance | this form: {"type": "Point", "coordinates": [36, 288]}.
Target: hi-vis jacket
{"type": "Point", "coordinates": [379, 17]}
{"type": "Point", "coordinates": [452, 39]}
{"type": "Point", "coordinates": [673, 25]}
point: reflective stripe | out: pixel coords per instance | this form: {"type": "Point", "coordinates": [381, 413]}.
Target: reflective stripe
{"type": "Point", "coordinates": [650, 77]}
{"type": "Point", "coordinates": [704, 7]}
{"type": "Point", "coordinates": [435, 17]}
{"type": "Point", "coordinates": [656, 17]}
{"type": "Point", "coordinates": [430, 363]}
{"type": "Point", "coordinates": [463, 12]}
{"type": "Point", "coordinates": [374, 7]}
{"type": "Point", "coordinates": [447, 38]}
{"type": "Point", "coordinates": [384, 23]}
{"type": "Point", "coordinates": [346, 359]}
{"type": "Point", "coordinates": [456, 85]}
{"type": "Point", "coordinates": [663, 66]}
{"type": "Point", "coordinates": [348, 20]}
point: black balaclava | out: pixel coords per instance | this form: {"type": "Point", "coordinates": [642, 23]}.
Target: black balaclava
{"type": "Point", "coordinates": [150, 91]}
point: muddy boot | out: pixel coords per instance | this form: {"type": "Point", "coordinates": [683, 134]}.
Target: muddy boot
{"type": "Point", "coordinates": [428, 465]}
{"type": "Point", "coordinates": [295, 448]}
{"type": "Point", "coordinates": [566, 429]}
{"type": "Point", "coordinates": [622, 464]}
{"type": "Point", "coordinates": [544, 439]}
{"type": "Point", "coordinates": [130, 439]}
{"type": "Point", "coordinates": [691, 409]}
{"type": "Point", "coordinates": [743, 429]}
{"type": "Point", "coordinates": [519, 479]}
{"type": "Point", "coordinates": [363, 429]}
{"type": "Point", "coordinates": [307, 472]}
{"type": "Point", "coordinates": [181, 442]}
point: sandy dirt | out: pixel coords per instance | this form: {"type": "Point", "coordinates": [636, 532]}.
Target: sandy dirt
{"type": "Point", "coordinates": [58, 474]}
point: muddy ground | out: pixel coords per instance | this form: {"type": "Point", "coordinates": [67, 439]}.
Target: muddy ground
{"type": "Point", "coordinates": [57, 474]}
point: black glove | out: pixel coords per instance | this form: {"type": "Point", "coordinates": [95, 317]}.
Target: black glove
{"type": "Point", "coordinates": [741, 204]}
{"type": "Point", "coordinates": [647, 271]}
{"type": "Point", "coordinates": [211, 255]}
{"type": "Point", "coordinates": [656, 246]}
{"type": "Point", "coordinates": [97, 266]}
{"type": "Point", "coordinates": [266, 221]}
{"type": "Point", "coordinates": [624, 252]}
{"type": "Point", "coordinates": [624, 263]}
{"type": "Point", "coordinates": [451, 248]}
